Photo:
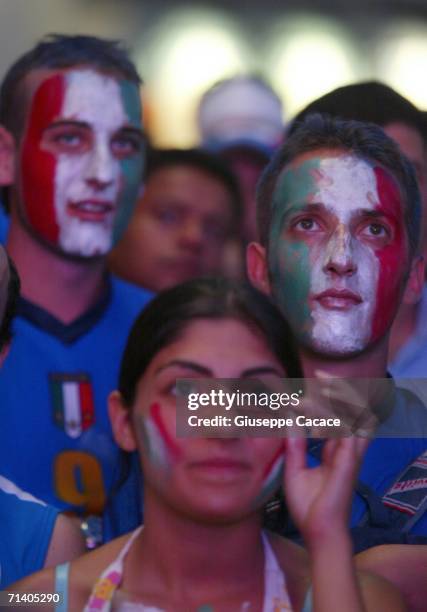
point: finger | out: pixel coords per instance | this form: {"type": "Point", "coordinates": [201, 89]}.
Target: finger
{"type": "Point", "coordinates": [295, 456]}
{"type": "Point", "coordinates": [329, 451]}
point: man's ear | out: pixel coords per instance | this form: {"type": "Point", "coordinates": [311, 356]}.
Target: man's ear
{"type": "Point", "coordinates": [256, 263]}
{"type": "Point", "coordinates": [120, 418]}
{"type": "Point", "coordinates": [7, 157]}
{"type": "Point", "coordinates": [415, 283]}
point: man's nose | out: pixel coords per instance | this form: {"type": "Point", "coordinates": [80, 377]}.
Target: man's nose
{"type": "Point", "coordinates": [192, 235]}
{"type": "Point", "coordinates": [340, 256]}
{"type": "Point", "coordinates": [101, 167]}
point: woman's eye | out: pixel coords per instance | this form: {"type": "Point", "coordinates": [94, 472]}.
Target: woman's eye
{"type": "Point", "coordinates": [181, 388]}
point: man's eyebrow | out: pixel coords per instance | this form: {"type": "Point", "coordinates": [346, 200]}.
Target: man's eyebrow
{"type": "Point", "coordinates": [309, 207]}
{"type": "Point", "coordinates": [133, 131]}
{"type": "Point", "coordinates": [188, 365]}
{"type": "Point", "coordinates": [368, 213]}
{"type": "Point", "coordinates": [67, 123]}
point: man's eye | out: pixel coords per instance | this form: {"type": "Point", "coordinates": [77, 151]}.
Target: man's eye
{"type": "Point", "coordinates": [307, 224]}
{"type": "Point", "coordinates": [125, 146]}
{"type": "Point", "coordinates": [68, 139]}
{"type": "Point", "coordinates": [168, 216]}
{"type": "Point", "coordinates": [376, 229]}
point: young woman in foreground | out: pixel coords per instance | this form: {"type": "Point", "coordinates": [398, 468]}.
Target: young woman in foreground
{"type": "Point", "coordinates": [202, 548]}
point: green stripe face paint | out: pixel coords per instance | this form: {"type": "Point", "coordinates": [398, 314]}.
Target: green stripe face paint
{"type": "Point", "coordinates": [289, 260]}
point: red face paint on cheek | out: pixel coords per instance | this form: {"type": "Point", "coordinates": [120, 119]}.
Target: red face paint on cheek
{"type": "Point", "coordinates": [392, 258]}
{"type": "Point", "coordinates": [170, 444]}
{"type": "Point", "coordinates": [37, 165]}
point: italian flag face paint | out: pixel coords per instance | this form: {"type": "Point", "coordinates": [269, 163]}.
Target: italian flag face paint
{"type": "Point", "coordinates": [161, 448]}
{"type": "Point", "coordinates": [272, 477]}
{"type": "Point", "coordinates": [337, 251]}
{"type": "Point", "coordinates": [79, 182]}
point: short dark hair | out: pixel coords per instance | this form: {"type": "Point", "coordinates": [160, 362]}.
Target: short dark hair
{"type": "Point", "coordinates": [169, 314]}
{"type": "Point", "coordinates": [370, 101]}
{"type": "Point", "coordinates": [364, 140]}
{"type": "Point", "coordinates": [13, 291]}
{"type": "Point", "coordinates": [61, 51]}
{"type": "Point", "coordinates": [209, 163]}
{"type": "Point", "coordinates": [58, 51]}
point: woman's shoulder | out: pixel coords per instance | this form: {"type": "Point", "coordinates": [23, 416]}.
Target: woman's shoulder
{"type": "Point", "coordinates": [82, 576]}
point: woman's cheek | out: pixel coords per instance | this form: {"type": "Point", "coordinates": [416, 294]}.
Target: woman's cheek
{"type": "Point", "coordinates": [272, 477]}
{"type": "Point", "coordinates": [161, 448]}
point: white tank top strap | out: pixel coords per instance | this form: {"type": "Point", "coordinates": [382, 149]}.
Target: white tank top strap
{"type": "Point", "coordinates": [109, 580]}
{"type": "Point", "coordinates": [276, 598]}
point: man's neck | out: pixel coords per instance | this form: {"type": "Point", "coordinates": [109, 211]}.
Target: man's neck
{"type": "Point", "coordinates": [403, 327]}
{"type": "Point", "coordinates": [63, 287]}
{"type": "Point", "coordinates": [369, 364]}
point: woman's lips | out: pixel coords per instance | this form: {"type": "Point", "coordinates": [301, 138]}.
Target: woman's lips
{"type": "Point", "coordinates": [220, 468]}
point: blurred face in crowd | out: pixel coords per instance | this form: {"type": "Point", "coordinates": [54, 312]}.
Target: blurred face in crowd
{"type": "Point", "coordinates": [80, 159]}
{"type": "Point", "coordinates": [412, 145]}
{"type": "Point", "coordinates": [247, 165]}
{"type": "Point", "coordinates": [178, 231]}
{"type": "Point", "coordinates": [338, 254]}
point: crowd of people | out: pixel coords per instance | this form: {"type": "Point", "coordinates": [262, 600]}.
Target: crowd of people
{"type": "Point", "coordinates": [267, 252]}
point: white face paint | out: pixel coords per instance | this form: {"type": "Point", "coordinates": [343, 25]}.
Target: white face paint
{"type": "Point", "coordinates": [344, 269]}
{"type": "Point", "coordinates": [88, 184]}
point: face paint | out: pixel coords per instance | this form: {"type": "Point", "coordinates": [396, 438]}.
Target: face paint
{"type": "Point", "coordinates": [81, 161]}
{"type": "Point", "coordinates": [161, 447]}
{"type": "Point", "coordinates": [272, 477]}
{"type": "Point", "coordinates": [337, 251]}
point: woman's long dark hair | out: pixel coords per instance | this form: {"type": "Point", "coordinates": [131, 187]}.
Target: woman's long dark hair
{"type": "Point", "coordinates": [167, 316]}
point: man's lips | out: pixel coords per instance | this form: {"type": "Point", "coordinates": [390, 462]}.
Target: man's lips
{"type": "Point", "coordinates": [90, 210]}
{"type": "Point", "coordinates": [338, 299]}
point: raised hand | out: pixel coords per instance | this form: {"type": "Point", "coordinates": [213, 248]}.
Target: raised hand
{"type": "Point", "coordinates": [319, 498]}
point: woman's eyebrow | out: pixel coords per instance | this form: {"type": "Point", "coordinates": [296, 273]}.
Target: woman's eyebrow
{"type": "Point", "coordinates": [262, 370]}
{"type": "Point", "coordinates": [188, 365]}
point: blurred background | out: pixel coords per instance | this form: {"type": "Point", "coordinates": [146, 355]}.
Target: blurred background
{"type": "Point", "coordinates": [303, 49]}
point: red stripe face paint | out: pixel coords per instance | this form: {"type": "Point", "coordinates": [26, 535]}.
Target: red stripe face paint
{"type": "Point", "coordinates": [81, 161]}
{"type": "Point", "coordinates": [161, 447]}
{"type": "Point", "coordinates": [38, 165]}
{"type": "Point", "coordinates": [393, 257]}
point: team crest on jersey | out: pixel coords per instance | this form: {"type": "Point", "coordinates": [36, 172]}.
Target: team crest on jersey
{"type": "Point", "coordinates": [72, 402]}
{"type": "Point", "coordinates": [409, 493]}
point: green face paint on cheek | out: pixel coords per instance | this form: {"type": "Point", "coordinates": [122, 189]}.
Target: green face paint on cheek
{"type": "Point", "coordinates": [131, 167]}
{"type": "Point", "coordinates": [289, 258]}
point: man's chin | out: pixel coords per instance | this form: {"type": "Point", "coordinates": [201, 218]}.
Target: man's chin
{"type": "Point", "coordinates": [333, 349]}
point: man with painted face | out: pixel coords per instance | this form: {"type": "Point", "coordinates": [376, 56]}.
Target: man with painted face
{"type": "Point", "coordinates": [71, 156]}
{"type": "Point", "coordinates": [338, 214]}
{"type": "Point", "coordinates": [405, 124]}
